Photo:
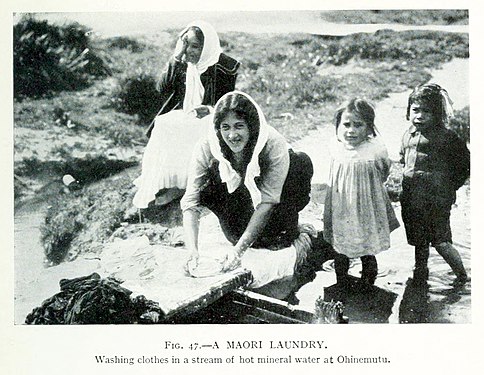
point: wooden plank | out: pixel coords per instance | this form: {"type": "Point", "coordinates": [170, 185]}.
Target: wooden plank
{"type": "Point", "coordinates": [249, 319]}
{"type": "Point", "coordinates": [273, 305]}
{"type": "Point", "coordinates": [158, 273]}
{"type": "Point", "coordinates": [274, 318]}
{"type": "Point", "coordinates": [201, 298]}
{"type": "Point", "coordinates": [268, 316]}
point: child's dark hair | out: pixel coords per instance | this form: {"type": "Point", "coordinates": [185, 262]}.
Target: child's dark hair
{"type": "Point", "coordinates": [435, 98]}
{"type": "Point", "coordinates": [243, 108]}
{"type": "Point", "coordinates": [360, 107]}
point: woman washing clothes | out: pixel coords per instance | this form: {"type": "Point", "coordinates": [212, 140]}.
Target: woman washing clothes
{"type": "Point", "coordinates": [197, 75]}
{"type": "Point", "coordinates": [246, 174]}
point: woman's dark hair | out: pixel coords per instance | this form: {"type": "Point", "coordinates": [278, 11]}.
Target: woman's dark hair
{"type": "Point", "coordinates": [198, 33]}
{"type": "Point", "coordinates": [431, 96]}
{"type": "Point", "coordinates": [360, 107]}
{"type": "Point", "coordinates": [244, 109]}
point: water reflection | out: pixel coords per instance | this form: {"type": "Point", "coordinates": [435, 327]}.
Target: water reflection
{"type": "Point", "coordinates": [422, 304]}
{"type": "Point", "coordinates": [415, 307]}
{"type": "Point", "coordinates": [362, 303]}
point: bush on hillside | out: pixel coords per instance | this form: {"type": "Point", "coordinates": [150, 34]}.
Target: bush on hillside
{"type": "Point", "coordinates": [285, 87]}
{"type": "Point", "coordinates": [393, 45]}
{"type": "Point", "coordinates": [137, 95]}
{"type": "Point", "coordinates": [50, 58]}
{"type": "Point", "coordinates": [300, 76]}
{"type": "Point", "coordinates": [123, 42]}
{"type": "Point", "coordinates": [409, 17]}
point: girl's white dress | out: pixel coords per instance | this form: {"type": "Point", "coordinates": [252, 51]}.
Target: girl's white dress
{"type": "Point", "coordinates": [167, 155]}
{"type": "Point", "coordinates": [358, 216]}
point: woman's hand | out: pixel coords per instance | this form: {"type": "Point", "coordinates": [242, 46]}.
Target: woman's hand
{"type": "Point", "coordinates": [181, 48]}
{"type": "Point", "coordinates": [192, 262]}
{"type": "Point", "coordinates": [202, 111]}
{"type": "Point", "coordinates": [256, 225]}
{"type": "Point", "coordinates": [232, 260]}
{"type": "Point", "coordinates": [190, 227]}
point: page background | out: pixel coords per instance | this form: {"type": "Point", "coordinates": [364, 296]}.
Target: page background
{"type": "Point", "coordinates": [434, 348]}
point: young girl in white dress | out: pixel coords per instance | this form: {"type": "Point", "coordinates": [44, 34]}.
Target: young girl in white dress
{"type": "Point", "coordinates": [358, 216]}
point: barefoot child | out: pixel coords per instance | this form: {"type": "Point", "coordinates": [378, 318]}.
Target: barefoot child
{"type": "Point", "coordinates": [358, 216]}
{"type": "Point", "coordinates": [436, 163]}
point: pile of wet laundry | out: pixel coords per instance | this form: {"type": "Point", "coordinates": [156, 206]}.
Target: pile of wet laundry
{"type": "Point", "coordinates": [95, 300]}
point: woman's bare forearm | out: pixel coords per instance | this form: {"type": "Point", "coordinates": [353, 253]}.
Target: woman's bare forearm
{"type": "Point", "coordinates": [256, 225]}
{"type": "Point", "coordinates": [191, 225]}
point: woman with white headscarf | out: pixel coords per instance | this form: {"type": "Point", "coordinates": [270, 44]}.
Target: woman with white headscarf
{"type": "Point", "coordinates": [246, 174]}
{"type": "Point", "coordinates": [197, 75]}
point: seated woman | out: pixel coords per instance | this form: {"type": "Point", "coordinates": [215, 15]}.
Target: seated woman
{"type": "Point", "coordinates": [246, 174]}
{"type": "Point", "coordinates": [195, 78]}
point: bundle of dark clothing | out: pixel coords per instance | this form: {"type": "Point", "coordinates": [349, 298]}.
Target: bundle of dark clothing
{"type": "Point", "coordinates": [93, 300]}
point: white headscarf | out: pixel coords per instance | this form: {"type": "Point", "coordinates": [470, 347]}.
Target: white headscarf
{"type": "Point", "coordinates": [194, 90]}
{"type": "Point", "coordinates": [227, 173]}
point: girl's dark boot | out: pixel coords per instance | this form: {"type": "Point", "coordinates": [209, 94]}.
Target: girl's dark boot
{"type": "Point", "coordinates": [341, 267]}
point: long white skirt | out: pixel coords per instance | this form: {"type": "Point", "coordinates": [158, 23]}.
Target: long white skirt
{"type": "Point", "coordinates": [167, 154]}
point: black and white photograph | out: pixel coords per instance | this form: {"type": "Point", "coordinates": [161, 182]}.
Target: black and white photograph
{"type": "Point", "coordinates": [191, 176]}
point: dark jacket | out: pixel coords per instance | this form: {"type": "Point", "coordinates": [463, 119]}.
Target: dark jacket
{"type": "Point", "coordinates": [436, 164]}
{"type": "Point", "coordinates": [217, 80]}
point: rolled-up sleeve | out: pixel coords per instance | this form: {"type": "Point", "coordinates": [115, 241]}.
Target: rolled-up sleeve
{"type": "Point", "coordinates": [197, 176]}
{"type": "Point", "coordinates": [275, 156]}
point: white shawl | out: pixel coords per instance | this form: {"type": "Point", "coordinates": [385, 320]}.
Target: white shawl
{"type": "Point", "coordinates": [194, 90]}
